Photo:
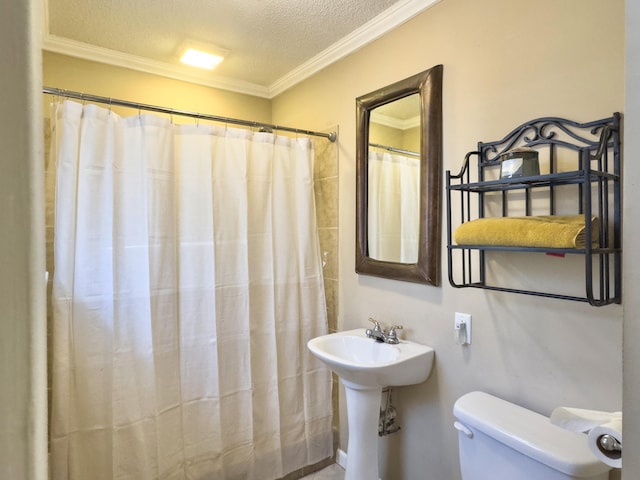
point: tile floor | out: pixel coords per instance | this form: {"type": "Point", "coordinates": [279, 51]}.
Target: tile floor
{"type": "Point", "coordinates": [332, 472]}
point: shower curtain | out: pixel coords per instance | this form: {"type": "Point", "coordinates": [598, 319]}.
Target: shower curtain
{"type": "Point", "coordinates": [393, 207]}
{"type": "Point", "coordinates": [187, 282]}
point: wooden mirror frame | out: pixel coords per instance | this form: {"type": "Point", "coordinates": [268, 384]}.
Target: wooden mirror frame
{"type": "Point", "coordinates": [428, 85]}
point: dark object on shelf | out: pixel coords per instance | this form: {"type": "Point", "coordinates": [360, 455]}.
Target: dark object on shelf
{"type": "Point", "coordinates": [583, 159]}
{"type": "Point", "coordinates": [519, 162]}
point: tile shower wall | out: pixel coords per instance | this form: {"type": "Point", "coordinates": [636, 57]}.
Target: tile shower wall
{"type": "Point", "coordinates": [326, 192]}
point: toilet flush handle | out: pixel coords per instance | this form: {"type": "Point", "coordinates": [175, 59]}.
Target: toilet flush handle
{"type": "Point", "coordinates": [463, 428]}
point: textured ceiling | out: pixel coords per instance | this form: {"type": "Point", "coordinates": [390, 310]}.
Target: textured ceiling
{"type": "Point", "coordinates": [267, 38]}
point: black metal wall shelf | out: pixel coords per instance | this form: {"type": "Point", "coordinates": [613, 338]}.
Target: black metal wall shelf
{"type": "Point", "coordinates": [581, 157]}
{"type": "Point", "coordinates": [564, 178]}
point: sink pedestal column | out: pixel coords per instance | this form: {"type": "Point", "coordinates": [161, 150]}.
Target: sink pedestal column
{"type": "Point", "coordinates": [363, 412]}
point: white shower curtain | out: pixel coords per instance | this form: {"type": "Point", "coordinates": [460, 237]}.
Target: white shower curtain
{"type": "Point", "coordinates": [393, 207]}
{"type": "Point", "coordinates": [187, 282]}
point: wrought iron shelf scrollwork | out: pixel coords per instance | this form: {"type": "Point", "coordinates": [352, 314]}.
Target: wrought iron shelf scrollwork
{"type": "Point", "coordinates": [582, 168]}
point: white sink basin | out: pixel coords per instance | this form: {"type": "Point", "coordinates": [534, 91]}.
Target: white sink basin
{"type": "Point", "coordinates": [363, 362]}
{"type": "Point", "coordinates": [365, 367]}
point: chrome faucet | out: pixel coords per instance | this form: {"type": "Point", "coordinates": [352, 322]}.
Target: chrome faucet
{"type": "Point", "coordinates": [379, 334]}
{"type": "Point", "coordinates": [392, 338]}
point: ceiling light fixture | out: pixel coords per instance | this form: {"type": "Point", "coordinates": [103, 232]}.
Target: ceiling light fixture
{"type": "Point", "coordinates": [201, 55]}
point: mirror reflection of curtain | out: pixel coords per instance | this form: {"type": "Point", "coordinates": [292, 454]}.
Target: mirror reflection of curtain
{"type": "Point", "coordinates": [394, 207]}
{"type": "Point", "coordinates": [187, 281]}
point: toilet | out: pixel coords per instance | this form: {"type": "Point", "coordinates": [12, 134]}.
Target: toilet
{"type": "Point", "coordinates": [502, 441]}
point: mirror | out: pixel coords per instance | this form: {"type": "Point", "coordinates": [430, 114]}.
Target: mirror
{"type": "Point", "coordinates": [393, 183]}
{"type": "Point", "coordinates": [399, 178]}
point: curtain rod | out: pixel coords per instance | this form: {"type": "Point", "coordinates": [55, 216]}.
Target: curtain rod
{"type": "Point", "coordinates": [393, 149]}
{"type": "Point", "coordinates": [332, 136]}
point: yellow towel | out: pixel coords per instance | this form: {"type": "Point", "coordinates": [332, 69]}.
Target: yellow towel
{"type": "Point", "coordinates": [550, 231]}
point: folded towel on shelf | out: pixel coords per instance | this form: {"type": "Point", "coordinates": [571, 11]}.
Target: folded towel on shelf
{"type": "Point", "coordinates": [547, 231]}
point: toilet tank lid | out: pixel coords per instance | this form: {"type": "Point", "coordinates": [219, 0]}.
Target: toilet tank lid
{"type": "Point", "coordinates": [529, 433]}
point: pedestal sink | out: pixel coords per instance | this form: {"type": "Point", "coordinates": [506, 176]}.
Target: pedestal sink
{"type": "Point", "coordinates": [365, 367]}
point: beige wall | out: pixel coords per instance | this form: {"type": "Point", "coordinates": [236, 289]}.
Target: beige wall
{"type": "Point", "coordinates": [385, 135]}
{"type": "Point", "coordinates": [505, 62]}
{"type": "Point", "coordinates": [68, 73]}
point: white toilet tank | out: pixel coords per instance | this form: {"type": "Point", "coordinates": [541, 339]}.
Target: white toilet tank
{"type": "Point", "coordinates": [502, 441]}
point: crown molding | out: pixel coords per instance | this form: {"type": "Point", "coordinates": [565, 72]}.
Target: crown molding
{"type": "Point", "coordinates": [372, 30]}
{"type": "Point", "coordinates": [391, 18]}
{"type": "Point", "coordinates": [65, 46]}
{"type": "Point", "coordinates": [392, 122]}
